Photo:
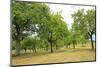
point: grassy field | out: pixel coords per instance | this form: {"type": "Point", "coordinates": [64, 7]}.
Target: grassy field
{"type": "Point", "coordinates": [61, 55]}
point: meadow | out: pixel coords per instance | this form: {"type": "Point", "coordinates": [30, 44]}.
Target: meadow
{"type": "Point", "coordinates": [59, 56]}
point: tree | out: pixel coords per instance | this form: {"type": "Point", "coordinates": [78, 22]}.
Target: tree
{"type": "Point", "coordinates": [90, 24]}
{"type": "Point", "coordinates": [86, 23]}
{"type": "Point", "coordinates": [75, 33]}
{"type": "Point", "coordinates": [25, 18]}
{"type": "Point", "coordinates": [67, 41]}
{"type": "Point", "coordinates": [29, 43]}
{"type": "Point", "coordinates": [57, 29]}
{"type": "Point", "coordinates": [52, 29]}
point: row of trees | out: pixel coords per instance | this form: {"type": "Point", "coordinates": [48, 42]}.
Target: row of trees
{"type": "Point", "coordinates": [34, 27]}
{"type": "Point", "coordinates": [85, 24]}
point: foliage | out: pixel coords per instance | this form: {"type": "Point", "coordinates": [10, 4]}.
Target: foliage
{"type": "Point", "coordinates": [34, 27]}
{"type": "Point", "coordinates": [85, 23]}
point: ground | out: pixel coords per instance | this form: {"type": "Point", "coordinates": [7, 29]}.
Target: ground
{"type": "Point", "coordinates": [62, 55]}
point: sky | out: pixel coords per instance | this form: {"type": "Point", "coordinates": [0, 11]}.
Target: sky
{"type": "Point", "coordinates": [93, 37]}
{"type": "Point", "coordinates": [67, 11]}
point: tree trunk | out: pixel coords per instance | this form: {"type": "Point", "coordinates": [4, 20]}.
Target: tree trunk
{"type": "Point", "coordinates": [56, 46]}
{"type": "Point", "coordinates": [92, 42]}
{"type": "Point", "coordinates": [51, 46]}
{"type": "Point", "coordinates": [18, 47]}
{"type": "Point", "coordinates": [35, 48]}
{"type": "Point", "coordinates": [25, 49]}
{"type": "Point", "coordinates": [51, 43]}
{"type": "Point", "coordinates": [30, 50]}
{"type": "Point", "coordinates": [66, 45]}
{"type": "Point", "coordinates": [85, 44]}
{"type": "Point", "coordinates": [46, 49]}
{"type": "Point", "coordinates": [73, 45]}
{"type": "Point", "coordinates": [69, 45]}
{"type": "Point", "coordinates": [82, 44]}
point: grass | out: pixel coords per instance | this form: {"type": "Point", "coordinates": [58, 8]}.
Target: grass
{"type": "Point", "coordinates": [61, 55]}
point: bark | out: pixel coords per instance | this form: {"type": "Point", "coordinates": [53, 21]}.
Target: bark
{"type": "Point", "coordinates": [74, 45]}
{"type": "Point", "coordinates": [92, 42]}
{"type": "Point", "coordinates": [82, 44]}
{"type": "Point", "coordinates": [25, 49]}
{"type": "Point", "coordinates": [56, 46]}
{"type": "Point", "coordinates": [51, 47]}
{"type": "Point", "coordinates": [18, 47]}
{"type": "Point", "coordinates": [66, 46]}
{"type": "Point", "coordinates": [69, 45]}
{"type": "Point", "coordinates": [85, 44]}
{"type": "Point", "coordinates": [18, 37]}
{"type": "Point", "coordinates": [51, 43]}
{"type": "Point", "coordinates": [35, 48]}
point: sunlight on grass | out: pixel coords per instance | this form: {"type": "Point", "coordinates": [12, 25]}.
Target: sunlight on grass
{"type": "Point", "coordinates": [61, 55]}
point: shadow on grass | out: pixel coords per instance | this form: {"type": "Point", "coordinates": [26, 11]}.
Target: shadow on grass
{"type": "Point", "coordinates": [67, 50]}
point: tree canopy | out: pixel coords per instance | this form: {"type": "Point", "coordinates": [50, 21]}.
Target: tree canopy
{"type": "Point", "coordinates": [84, 21]}
{"type": "Point", "coordinates": [34, 26]}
